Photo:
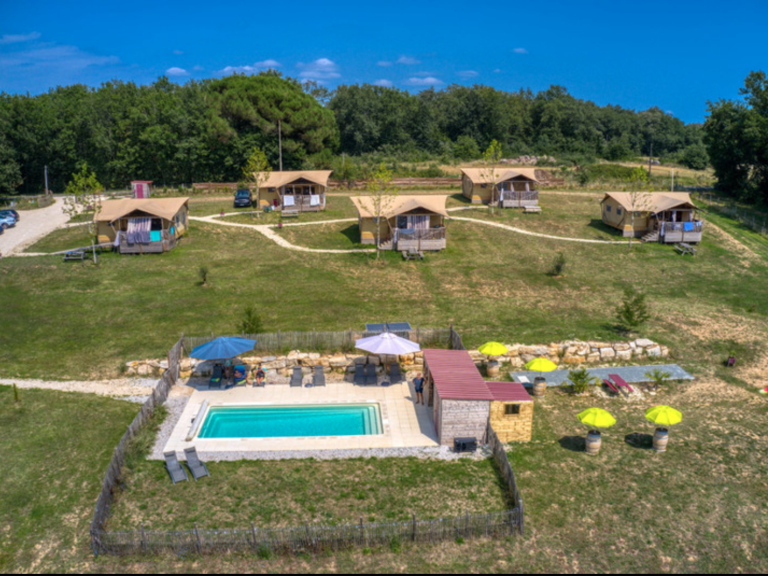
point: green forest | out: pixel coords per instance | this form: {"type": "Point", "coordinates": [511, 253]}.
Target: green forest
{"type": "Point", "coordinates": [205, 130]}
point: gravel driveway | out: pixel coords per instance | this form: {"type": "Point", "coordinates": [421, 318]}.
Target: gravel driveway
{"type": "Point", "coordinates": [32, 225]}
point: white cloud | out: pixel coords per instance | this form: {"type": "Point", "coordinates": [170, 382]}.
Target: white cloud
{"type": "Point", "coordinates": [520, 51]}
{"type": "Point", "coordinates": [64, 58]}
{"type": "Point", "coordinates": [468, 73]}
{"type": "Point", "coordinates": [252, 68]}
{"type": "Point", "coordinates": [176, 71]}
{"type": "Point", "coordinates": [408, 60]}
{"type": "Point", "coordinates": [178, 52]}
{"type": "Point", "coordinates": [320, 69]}
{"type": "Point", "coordinates": [428, 81]}
{"type": "Point", "coordinates": [17, 38]}
{"type": "Point", "coordinates": [198, 68]}
{"type": "Point", "coordinates": [383, 63]}
{"type": "Point", "coordinates": [383, 82]}
{"type": "Point", "coordinates": [497, 71]}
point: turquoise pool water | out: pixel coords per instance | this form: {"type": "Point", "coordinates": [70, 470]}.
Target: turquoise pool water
{"type": "Point", "coordinates": [291, 421]}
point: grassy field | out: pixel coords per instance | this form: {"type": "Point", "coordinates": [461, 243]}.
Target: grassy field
{"type": "Point", "coordinates": [62, 239]}
{"type": "Point", "coordinates": [492, 283]}
{"type": "Point", "coordinates": [54, 451]}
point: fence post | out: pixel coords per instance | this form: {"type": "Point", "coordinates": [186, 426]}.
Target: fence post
{"type": "Point", "coordinates": [253, 534]}
{"type": "Point", "coordinates": [418, 334]}
{"type": "Point", "coordinates": [279, 346]}
{"type": "Point", "coordinates": [362, 532]}
{"type": "Point", "coordinates": [199, 543]}
{"type": "Point", "coordinates": [143, 539]}
{"type": "Point", "coordinates": [314, 347]}
{"type": "Point", "coordinates": [413, 538]}
{"type": "Point", "coordinates": [466, 529]}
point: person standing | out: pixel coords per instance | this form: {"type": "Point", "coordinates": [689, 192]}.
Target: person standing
{"type": "Point", "coordinates": [418, 384]}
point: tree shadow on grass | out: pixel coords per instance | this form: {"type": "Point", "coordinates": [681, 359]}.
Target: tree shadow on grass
{"type": "Point", "coordinates": [352, 233]}
{"type": "Point", "coordinates": [573, 443]}
{"type": "Point", "coordinates": [459, 197]}
{"type": "Point", "coordinates": [601, 226]}
{"type": "Point", "coordinates": [639, 440]}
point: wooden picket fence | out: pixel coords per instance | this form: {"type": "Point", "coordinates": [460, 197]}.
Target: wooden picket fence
{"type": "Point", "coordinates": [307, 538]}
{"type": "Point", "coordinates": [502, 461]}
{"type": "Point", "coordinates": [323, 341]}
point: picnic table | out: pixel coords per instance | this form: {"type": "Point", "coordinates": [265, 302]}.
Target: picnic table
{"type": "Point", "coordinates": [412, 254]}
{"type": "Point", "coordinates": [74, 255]}
{"type": "Point", "coordinates": [684, 248]}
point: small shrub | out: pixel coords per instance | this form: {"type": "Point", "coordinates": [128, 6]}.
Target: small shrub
{"type": "Point", "coordinates": [367, 551]}
{"type": "Point", "coordinates": [633, 311]}
{"type": "Point", "coordinates": [459, 540]}
{"type": "Point", "coordinates": [558, 266]}
{"type": "Point", "coordinates": [251, 322]}
{"type": "Point", "coordinates": [583, 177]}
{"type": "Point", "coordinates": [264, 552]}
{"type": "Point", "coordinates": [395, 546]}
{"type": "Point", "coordinates": [658, 378]}
{"type": "Point", "coordinates": [16, 397]}
{"type": "Point", "coordinates": [581, 379]}
{"type": "Point", "coordinates": [203, 274]}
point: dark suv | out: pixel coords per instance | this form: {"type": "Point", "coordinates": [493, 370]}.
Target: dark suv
{"type": "Point", "coordinates": [243, 198]}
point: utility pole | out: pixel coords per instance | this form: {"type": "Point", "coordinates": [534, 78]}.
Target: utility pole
{"type": "Point", "coordinates": [650, 161]}
{"type": "Point", "coordinates": [46, 180]}
{"type": "Point", "coordinates": [672, 187]}
{"type": "Point", "coordinates": [280, 142]}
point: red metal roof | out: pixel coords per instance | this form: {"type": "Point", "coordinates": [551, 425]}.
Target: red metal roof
{"type": "Point", "coordinates": [508, 392]}
{"type": "Point", "coordinates": [455, 375]}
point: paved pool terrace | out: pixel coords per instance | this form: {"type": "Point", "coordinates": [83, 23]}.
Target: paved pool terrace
{"type": "Point", "coordinates": [631, 374]}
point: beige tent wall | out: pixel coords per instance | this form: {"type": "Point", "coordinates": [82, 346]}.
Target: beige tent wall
{"type": "Point", "coordinates": [623, 221]}
{"type": "Point", "coordinates": [368, 230]}
{"type": "Point", "coordinates": [466, 187]}
{"type": "Point", "coordinates": [267, 197]}
{"type": "Point", "coordinates": [105, 233]}
{"type": "Point", "coordinates": [512, 427]}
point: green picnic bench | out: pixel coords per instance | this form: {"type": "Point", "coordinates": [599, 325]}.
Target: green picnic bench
{"type": "Point", "coordinates": [684, 249]}
{"type": "Point", "coordinates": [74, 255]}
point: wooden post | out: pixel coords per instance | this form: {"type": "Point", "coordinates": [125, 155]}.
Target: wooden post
{"type": "Point", "coordinates": [362, 532]}
{"type": "Point", "coordinates": [413, 538]}
{"type": "Point", "coordinates": [199, 542]}
{"type": "Point", "coordinates": [278, 341]}
{"type": "Point", "coordinates": [253, 535]}
{"type": "Point", "coordinates": [143, 540]}
{"type": "Point", "coordinates": [466, 529]}
{"type": "Point", "coordinates": [314, 347]}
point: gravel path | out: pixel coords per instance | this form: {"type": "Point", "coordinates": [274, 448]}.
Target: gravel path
{"type": "Point", "coordinates": [175, 406]}
{"type": "Point", "coordinates": [536, 234]}
{"type": "Point", "coordinates": [32, 225]}
{"type": "Point", "coordinates": [133, 389]}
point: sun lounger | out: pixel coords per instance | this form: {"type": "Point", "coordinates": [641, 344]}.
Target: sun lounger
{"type": "Point", "coordinates": [217, 376]}
{"type": "Point", "coordinates": [359, 375]}
{"type": "Point", "coordinates": [370, 375]}
{"type": "Point", "coordinates": [523, 380]}
{"type": "Point", "coordinates": [395, 376]}
{"type": "Point", "coordinates": [198, 468]}
{"type": "Point", "coordinates": [318, 378]}
{"type": "Point", "coordinates": [297, 378]}
{"type": "Point", "coordinates": [240, 376]}
{"type": "Point", "coordinates": [621, 384]}
{"type": "Point", "coordinates": [175, 470]}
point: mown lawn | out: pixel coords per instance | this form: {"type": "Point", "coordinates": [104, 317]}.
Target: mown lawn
{"type": "Point", "coordinates": [55, 449]}
{"type": "Point", "coordinates": [78, 320]}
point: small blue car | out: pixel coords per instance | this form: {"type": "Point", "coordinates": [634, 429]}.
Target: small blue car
{"type": "Point", "coordinates": [7, 222]}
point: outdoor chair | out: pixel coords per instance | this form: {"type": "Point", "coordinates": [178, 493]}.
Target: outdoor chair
{"type": "Point", "coordinates": [175, 470]}
{"type": "Point", "coordinates": [240, 376]}
{"type": "Point", "coordinates": [318, 378]}
{"type": "Point", "coordinates": [218, 374]}
{"type": "Point", "coordinates": [297, 377]}
{"type": "Point", "coordinates": [370, 375]}
{"type": "Point", "coordinates": [198, 468]}
{"type": "Point", "coordinates": [608, 384]}
{"type": "Point", "coordinates": [359, 375]}
{"type": "Point", "coordinates": [395, 376]}
{"type": "Point", "coordinates": [621, 384]}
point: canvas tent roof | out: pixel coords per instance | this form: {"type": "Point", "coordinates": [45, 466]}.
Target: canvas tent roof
{"type": "Point", "coordinates": [277, 179]}
{"type": "Point", "coordinates": [481, 175]}
{"type": "Point", "coordinates": [653, 202]}
{"type": "Point", "coordinates": [165, 208]}
{"type": "Point", "coordinates": [400, 205]}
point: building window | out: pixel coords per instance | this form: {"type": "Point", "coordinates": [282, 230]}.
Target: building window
{"type": "Point", "coordinates": [618, 211]}
{"type": "Point", "coordinates": [607, 208]}
{"type": "Point", "coordinates": [511, 409]}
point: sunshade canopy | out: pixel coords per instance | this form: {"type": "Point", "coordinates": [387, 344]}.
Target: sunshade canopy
{"type": "Point", "coordinates": [397, 205]}
{"type": "Point", "coordinates": [277, 179]}
{"type": "Point", "coordinates": [653, 202]}
{"type": "Point", "coordinates": [387, 343]}
{"type": "Point", "coordinates": [493, 349]}
{"type": "Point", "coordinates": [663, 416]}
{"type": "Point", "coordinates": [483, 175]}
{"type": "Point", "coordinates": [541, 365]}
{"type": "Point", "coordinates": [597, 418]}
{"type": "Point", "coordinates": [223, 347]}
{"type": "Point", "coordinates": [165, 208]}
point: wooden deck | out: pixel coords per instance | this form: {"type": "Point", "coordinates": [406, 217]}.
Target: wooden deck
{"type": "Point", "coordinates": [166, 244]}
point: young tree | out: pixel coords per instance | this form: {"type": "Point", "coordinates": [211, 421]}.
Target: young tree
{"type": "Point", "coordinates": [256, 171]}
{"type": "Point", "coordinates": [491, 158]}
{"type": "Point", "coordinates": [383, 195]}
{"type": "Point", "coordinates": [633, 311]}
{"type": "Point", "coordinates": [639, 197]}
{"type": "Point", "coordinates": [82, 195]}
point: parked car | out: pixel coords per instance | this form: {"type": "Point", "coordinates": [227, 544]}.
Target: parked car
{"type": "Point", "coordinates": [7, 222]}
{"type": "Point", "coordinates": [9, 212]}
{"type": "Point", "coordinates": [243, 198]}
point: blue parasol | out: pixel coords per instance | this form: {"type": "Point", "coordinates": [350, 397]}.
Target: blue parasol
{"type": "Point", "coordinates": [222, 348]}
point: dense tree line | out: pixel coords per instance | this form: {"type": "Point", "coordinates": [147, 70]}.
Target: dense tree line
{"type": "Point", "coordinates": [736, 134]}
{"type": "Point", "coordinates": [206, 130]}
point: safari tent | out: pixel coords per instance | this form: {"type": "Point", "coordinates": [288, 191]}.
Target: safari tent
{"type": "Point", "coordinates": [294, 191]}
{"type": "Point", "coordinates": [407, 223]}
{"type": "Point", "coordinates": [516, 187]}
{"type": "Point", "coordinates": [666, 217]}
{"type": "Point", "coordinates": [142, 226]}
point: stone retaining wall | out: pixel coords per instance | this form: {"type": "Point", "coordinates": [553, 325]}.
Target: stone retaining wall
{"type": "Point", "coordinates": [568, 354]}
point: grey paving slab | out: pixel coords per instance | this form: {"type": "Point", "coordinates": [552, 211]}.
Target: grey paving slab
{"type": "Point", "coordinates": [631, 374]}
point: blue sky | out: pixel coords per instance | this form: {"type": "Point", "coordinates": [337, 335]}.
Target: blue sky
{"type": "Point", "coordinates": [673, 54]}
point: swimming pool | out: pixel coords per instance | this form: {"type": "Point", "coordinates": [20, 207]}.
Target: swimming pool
{"type": "Point", "coordinates": [292, 421]}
